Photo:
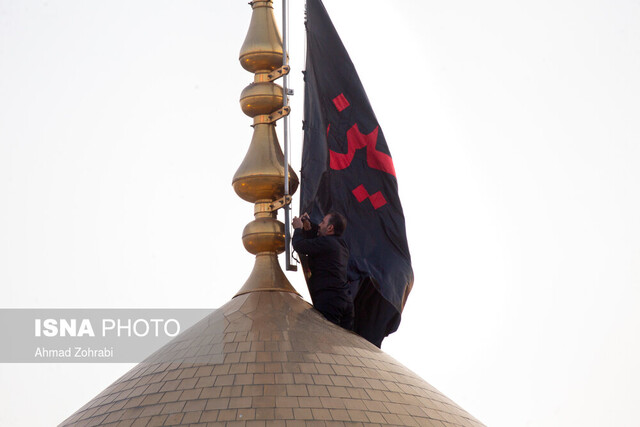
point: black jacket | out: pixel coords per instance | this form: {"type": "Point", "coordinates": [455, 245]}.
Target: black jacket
{"type": "Point", "coordinates": [328, 259]}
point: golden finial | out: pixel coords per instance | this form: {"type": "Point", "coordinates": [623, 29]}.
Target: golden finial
{"type": "Point", "coordinates": [260, 177]}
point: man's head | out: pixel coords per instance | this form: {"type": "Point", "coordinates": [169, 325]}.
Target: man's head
{"type": "Point", "coordinates": [333, 224]}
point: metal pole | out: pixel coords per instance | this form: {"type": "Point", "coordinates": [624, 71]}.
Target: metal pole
{"type": "Point", "coordinates": [285, 89]}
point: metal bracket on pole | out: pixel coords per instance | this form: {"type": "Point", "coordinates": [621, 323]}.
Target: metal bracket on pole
{"type": "Point", "coordinates": [273, 117]}
{"type": "Point", "coordinates": [282, 202]}
{"type": "Point", "coordinates": [280, 72]}
{"type": "Point", "coordinates": [277, 115]}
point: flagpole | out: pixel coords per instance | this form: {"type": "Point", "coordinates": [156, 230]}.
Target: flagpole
{"type": "Point", "coordinates": [285, 90]}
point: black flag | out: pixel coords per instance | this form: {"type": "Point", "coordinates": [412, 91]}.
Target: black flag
{"type": "Point", "coordinates": [347, 167]}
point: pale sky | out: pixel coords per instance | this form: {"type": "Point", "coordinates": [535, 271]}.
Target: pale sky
{"type": "Point", "coordinates": [514, 129]}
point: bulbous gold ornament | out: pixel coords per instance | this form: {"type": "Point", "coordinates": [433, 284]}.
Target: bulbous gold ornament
{"type": "Point", "coordinates": [262, 48]}
{"type": "Point", "coordinates": [261, 174]}
{"type": "Point", "coordinates": [263, 235]}
{"type": "Point", "coordinates": [261, 98]}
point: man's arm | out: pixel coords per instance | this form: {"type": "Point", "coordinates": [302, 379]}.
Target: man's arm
{"type": "Point", "coordinates": [303, 241]}
{"type": "Point", "coordinates": [312, 230]}
{"type": "Point", "coordinates": [308, 246]}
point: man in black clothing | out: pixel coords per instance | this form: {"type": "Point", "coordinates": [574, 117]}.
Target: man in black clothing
{"type": "Point", "coordinates": [328, 258]}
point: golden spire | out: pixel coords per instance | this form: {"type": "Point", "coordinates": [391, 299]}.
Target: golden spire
{"type": "Point", "coordinates": [260, 177]}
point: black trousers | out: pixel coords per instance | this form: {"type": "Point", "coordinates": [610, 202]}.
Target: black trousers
{"type": "Point", "coordinates": [336, 306]}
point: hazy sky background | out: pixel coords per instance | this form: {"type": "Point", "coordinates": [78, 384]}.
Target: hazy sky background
{"type": "Point", "coordinates": [514, 128]}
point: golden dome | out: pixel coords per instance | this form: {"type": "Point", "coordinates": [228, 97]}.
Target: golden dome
{"type": "Point", "coordinates": [270, 359]}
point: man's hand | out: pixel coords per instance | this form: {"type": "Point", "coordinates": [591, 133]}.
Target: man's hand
{"type": "Point", "coordinates": [296, 222]}
{"type": "Point", "coordinates": [306, 222]}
